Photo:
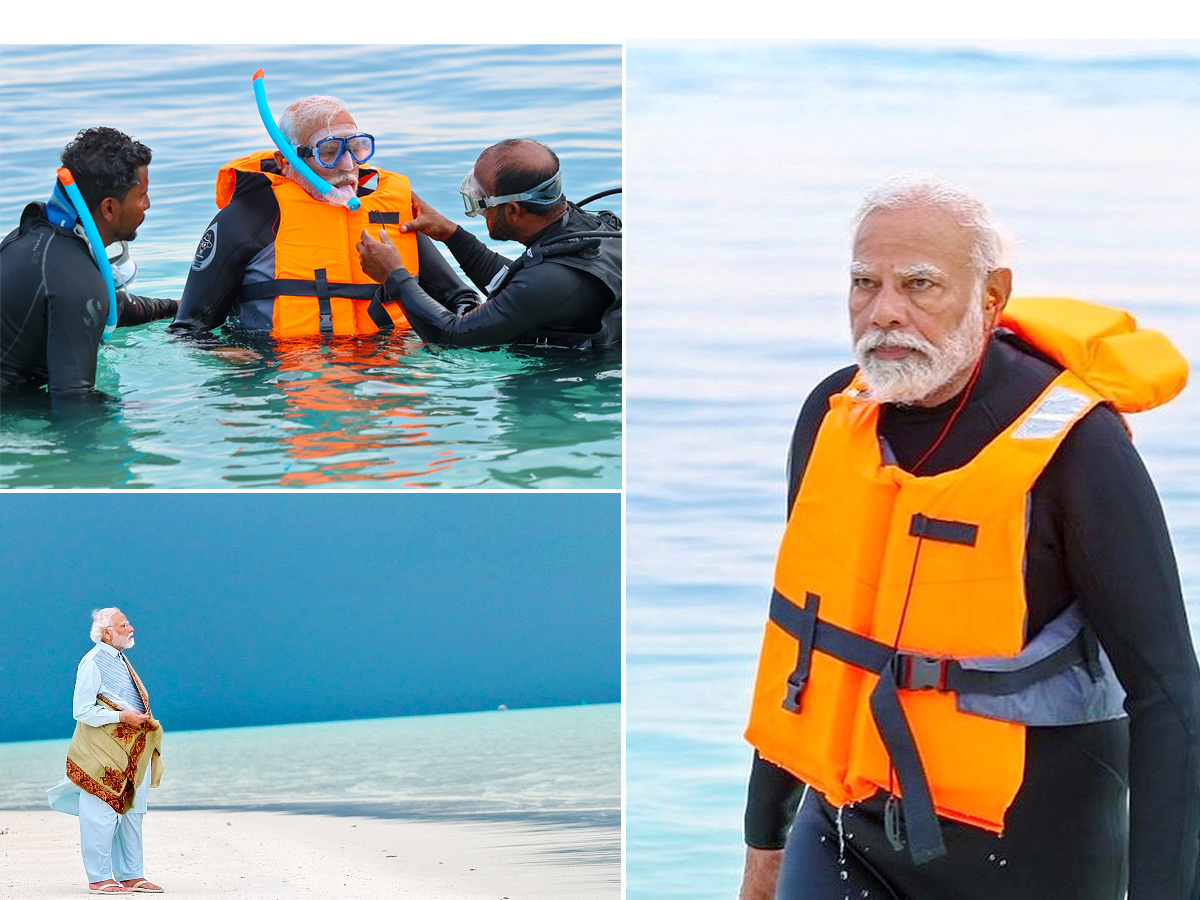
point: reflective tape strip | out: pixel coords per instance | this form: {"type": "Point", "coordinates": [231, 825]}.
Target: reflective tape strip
{"type": "Point", "coordinates": [1052, 415]}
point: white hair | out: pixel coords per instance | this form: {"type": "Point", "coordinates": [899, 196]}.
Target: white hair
{"type": "Point", "coordinates": [307, 114]}
{"type": "Point", "coordinates": [101, 619]}
{"type": "Point", "coordinates": [987, 249]}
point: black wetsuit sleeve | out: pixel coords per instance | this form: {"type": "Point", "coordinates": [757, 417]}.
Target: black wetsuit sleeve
{"type": "Point", "coordinates": [135, 310]}
{"type": "Point", "coordinates": [233, 238]}
{"type": "Point", "coordinates": [772, 794]}
{"type": "Point", "coordinates": [477, 262]}
{"type": "Point", "coordinates": [535, 297]}
{"type": "Point", "coordinates": [76, 310]}
{"type": "Point", "coordinates": [1119, 561]}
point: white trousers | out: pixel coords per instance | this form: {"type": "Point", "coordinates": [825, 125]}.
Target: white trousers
{"type": "Point", "coordinates": [111, 843]}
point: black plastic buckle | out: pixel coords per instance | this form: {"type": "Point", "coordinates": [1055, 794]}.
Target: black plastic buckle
{"type": "Point", "coordinates": [921, 673]}
{"type": "Point", "coordinates": [791, 698]}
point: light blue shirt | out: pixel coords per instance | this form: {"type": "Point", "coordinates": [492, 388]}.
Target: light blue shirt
{"type": "Point", "coordinates": [103, 671]}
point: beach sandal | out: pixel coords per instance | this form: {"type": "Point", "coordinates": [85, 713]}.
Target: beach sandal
{"type": "Point", "coordinates": [142, 886]}
{"type": "Point", "coordinates": [108, 887]}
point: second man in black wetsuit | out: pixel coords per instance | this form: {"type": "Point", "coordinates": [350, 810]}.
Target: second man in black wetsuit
{"type": "Point", "coordinates": [565, 290]}
{"type": "Point", "coordinates": [54, 298]}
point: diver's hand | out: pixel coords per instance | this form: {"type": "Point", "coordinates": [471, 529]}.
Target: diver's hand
{"type": "Point", "coordinates": [428, 220]}
{"type": "Point", "coordinates": [379, 258]}
{"type": "Point", "coordinates": [760, 874]}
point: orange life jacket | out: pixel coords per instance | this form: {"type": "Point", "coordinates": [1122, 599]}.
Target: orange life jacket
{"type": "Point", "coordinates": [319, 286]}
{"type": "Point", "coordinates": [899, 598]}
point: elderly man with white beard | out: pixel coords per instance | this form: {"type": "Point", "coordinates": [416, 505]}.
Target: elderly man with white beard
{"type": "Point", "coordinates": [976, 680]}
{"type": "Point", "coordinates": [281, 257]}
{"type": "Point", "coordinates": [113, 760]}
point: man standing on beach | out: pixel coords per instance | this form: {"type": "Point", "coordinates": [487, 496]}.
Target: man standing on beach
{"type": "Point", "coordinates": [115, 747]}
{"type": "Point", "coordinates": [977, 658]}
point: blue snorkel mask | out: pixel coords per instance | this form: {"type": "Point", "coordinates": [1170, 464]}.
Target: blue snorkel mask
{"type": "Point", "coordinates": [65, 205]}
{"type": "Point", "coordinates": [322, 186]}
{"type": "Point", "coordinates": [477, 201]}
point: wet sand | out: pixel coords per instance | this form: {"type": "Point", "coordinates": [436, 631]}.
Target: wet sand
{"type": "Point", "coordinates": [272, 856]}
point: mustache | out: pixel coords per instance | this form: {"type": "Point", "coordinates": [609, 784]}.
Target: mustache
{"type": "Point", "coordinates": [879, 338]}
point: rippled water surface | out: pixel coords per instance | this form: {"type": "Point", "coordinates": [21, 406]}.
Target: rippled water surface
{"type": "Point", "coordinates": [747, 162]}
{"type": "Point", "coordinates": [338, 412]}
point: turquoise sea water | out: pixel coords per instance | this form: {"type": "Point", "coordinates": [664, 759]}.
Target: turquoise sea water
{"type": "Point", "coordinates": [558, 766]}
{"type": "Point", "coordinates": [746, 163]}
{"type": "Point", "coordinates": [378, 411]}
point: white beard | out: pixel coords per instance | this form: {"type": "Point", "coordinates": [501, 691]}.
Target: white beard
{"type": "Point", "coordinates": [921, 374]}
{"type": "Point", "coordinates": [343, 191]}
{"type": "Point", "coordinates": [120, 643]}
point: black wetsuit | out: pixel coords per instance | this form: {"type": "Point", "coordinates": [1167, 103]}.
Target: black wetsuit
{"type": "Point", "coordinates": [53, 306]}
{"type": "Point", "coordinates": [570, 300]}
{"type": "Point", "coordinates": [1096, 534]}
{"type": "Point", "coordinates": [243, 229]}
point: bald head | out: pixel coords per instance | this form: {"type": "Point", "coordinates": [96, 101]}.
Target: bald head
{"type": "Point", "coordinates": [515, 165]}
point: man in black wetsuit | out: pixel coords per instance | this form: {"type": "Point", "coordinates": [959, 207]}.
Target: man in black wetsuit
{"type": "Point", "coordinates": [575, 301]}
{"type": "Point", "coordinates": [265, 226]}
{"type": "Point", "coordinates": [926, 290]}
{"type": "Point", "coordinates": [53, 299]}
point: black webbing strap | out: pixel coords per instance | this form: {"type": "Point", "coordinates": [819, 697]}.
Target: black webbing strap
{"type": "Point", "coordinates": [920, 819]}
{"type": "Point", "coordinates": [323, 303]}
{"type": "Point", "coordinates": [943, 530]}
{"type": "Point", "coordinates": [378, 217]}
{"type": "Point", "coordinates": [378, 314]}
{"type": "Point", "coordinates": [800, 623]}
{"type": "Point", "coordinates": [294, 287]}
{"type": "Point", "coordinates": [898, 670]}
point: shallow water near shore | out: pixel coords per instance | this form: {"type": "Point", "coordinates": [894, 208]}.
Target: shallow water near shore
{"type": "Point", "coordinates": [382, 411]}
{"type": "Point", "coordinates": [558, 766]}
{"type": "Point", "coordinates": [1086, 156]}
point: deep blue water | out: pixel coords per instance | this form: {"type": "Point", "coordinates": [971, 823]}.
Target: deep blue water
{"type": "Point", "coordinates": [378, 411]}
{"type": "Point", "coordinates": [747, 162]}
{"type": "Point", "coordinates": [273, 608]}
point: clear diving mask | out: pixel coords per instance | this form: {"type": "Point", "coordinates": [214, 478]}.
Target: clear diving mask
{"type": "Point", "coordinates": [477, 201]}
{"type": "Point", "coordinates": [124, 269]}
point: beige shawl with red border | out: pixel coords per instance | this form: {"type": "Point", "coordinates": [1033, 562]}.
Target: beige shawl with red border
{"type": "Point", "coordinates": [110, 762]}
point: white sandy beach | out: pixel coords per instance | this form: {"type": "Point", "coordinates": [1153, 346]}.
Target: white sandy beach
{"type": "Point", "coordinates": [268, 855]}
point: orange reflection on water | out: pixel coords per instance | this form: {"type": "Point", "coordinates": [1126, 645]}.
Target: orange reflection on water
{"type": "Point", "coordinates": [342, 395]}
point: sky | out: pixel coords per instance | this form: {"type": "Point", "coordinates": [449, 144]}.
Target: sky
{"type": "Point", "coordinates": [259, 609]}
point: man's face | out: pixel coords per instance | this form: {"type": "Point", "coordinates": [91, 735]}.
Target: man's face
{"type": "Point", "coordinates": [915, 303]}
{"type": "Point", "coordinates": [131, 212]}
{"type": "Point", "coordinates": [343, 175]}
{"type": "Point", "coordinates": [498, 224]}
{"type": "Point", "coordinates": [119, 633]}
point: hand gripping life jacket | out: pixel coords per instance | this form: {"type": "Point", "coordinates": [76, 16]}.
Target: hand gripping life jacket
{"type": "Point", "coordinates": [310, 281]}
{"type": "Point", "coordinates": [894, 657]}
{"type": "Point", "coordinates": [590, 242]}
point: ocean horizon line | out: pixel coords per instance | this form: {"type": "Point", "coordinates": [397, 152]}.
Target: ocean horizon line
{"type": "Point", "coordinates": [305, 722]}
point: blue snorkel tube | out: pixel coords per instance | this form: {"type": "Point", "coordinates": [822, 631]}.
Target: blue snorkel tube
{"type": "Point", "coordinates": [285, 146]}
{"type": "Point", "coordinates": [67, 180]}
